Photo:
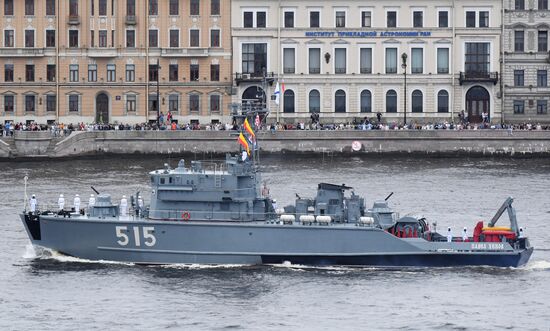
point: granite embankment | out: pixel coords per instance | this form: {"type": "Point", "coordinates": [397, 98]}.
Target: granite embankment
{"type": "Point", "coordinates": [436, 142]}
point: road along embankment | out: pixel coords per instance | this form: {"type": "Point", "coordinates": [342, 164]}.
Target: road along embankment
{"type": "Point", "coordinates": [436, 142]}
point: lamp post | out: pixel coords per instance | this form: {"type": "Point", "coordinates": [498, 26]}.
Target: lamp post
{"type": "Point", "coordinates": [158, 93]}
{"type": "Point", "coordinates": [404, 66]}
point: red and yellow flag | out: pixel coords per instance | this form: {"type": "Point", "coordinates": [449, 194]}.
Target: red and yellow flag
{"type": "Point", "coordinates": [242, 140]}
{"type": "Point", "coordinates": [248, 129]}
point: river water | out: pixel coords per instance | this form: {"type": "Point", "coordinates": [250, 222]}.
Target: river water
{"type": "Point", "coordinates": [44, 292]}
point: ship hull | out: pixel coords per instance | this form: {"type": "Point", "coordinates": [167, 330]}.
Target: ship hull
{"type": "Point", "coordinates": [166, 242]}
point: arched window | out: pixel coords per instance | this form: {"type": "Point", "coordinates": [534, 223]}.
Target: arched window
{"type": "Point", "coordinates": [288, 101]}
{"type": "Point", "coordinates": [340, 101]}
{"type": "Point", "coordinates": [391, 101]}
{"type": "Point", "coordinates": [443, 101]}
{"type": "Point", "coordinates": [366, 101]}
{"type": "Point", "coordinates": [417, 101]}
{"type": "Point", "coordinates": [314, 101]}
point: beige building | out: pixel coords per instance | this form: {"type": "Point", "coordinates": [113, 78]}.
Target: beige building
{"type": "Point", "coordinates": [96, 60]}
{"type": "Point", "coordinates": [343, 59]}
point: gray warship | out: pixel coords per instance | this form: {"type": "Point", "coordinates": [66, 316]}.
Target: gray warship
{"type": "Point", "coordinates": [221, 213]}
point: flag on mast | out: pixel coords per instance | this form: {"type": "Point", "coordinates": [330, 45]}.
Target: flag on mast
{"type": "Point", "coordinates": [244, 143]}
{"type": "Point", "coordinates": [248, 129]}
{"type": "Point", "coordinates": [277, 92]}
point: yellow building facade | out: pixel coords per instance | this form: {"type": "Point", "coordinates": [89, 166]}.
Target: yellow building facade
{"type": "Point", "coordinates": [73, 61]}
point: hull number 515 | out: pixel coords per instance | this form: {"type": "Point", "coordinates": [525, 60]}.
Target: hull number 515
{"type": "Point", "coordinates": [144, 236]}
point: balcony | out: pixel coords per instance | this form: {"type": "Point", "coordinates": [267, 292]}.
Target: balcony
{"type": "Point", "coordinates": [184, 52]}
{"type": "Point", "coordinates": [21, 52]}
{"type": "Point", "coordinates": [102, 52]}
{"type": "Point", "coordinates": [255, 77]}
{"type": "Point", "coordinates": [478, 77]}
{"type": "Point", "coordinates": [73, 19]}
{"type": "Point", "coordinates": [131, 20]}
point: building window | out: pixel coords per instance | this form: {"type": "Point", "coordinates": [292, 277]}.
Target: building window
{"type": "Point", "coordinates": [391, 60]}
{"type": "Point", "coordinates": [366, 19]}
{"type": "Point", "coordinates": [73, 8]}
{"type": "Point", "coordinates": [543, 4]}
{"type": "Point", "coordinates": [30, 103]}
{"type": "Point", "coordinates": [8, 7]}
{"type": "Point", "coordinates": [73, 73]}
{"type": "Point", "coordinates": [130, 72]}
{"type": "Point", "coordinates": [102, 8]}
{"type": "Point", "coordinates": [102, 38]}
{"type": "Point", "coordinates": [153, 73]}
{"type": "Point", "coordinates": [443, 17]}
{"type": "Point", "coordinates": [73, 103]}
{"type": "Point", "coordinates": [73, 38]}
{"type": "Point", "coordinates": [518, 77]}
{"type": "Point", "coordinates": [254, 58]}
{"type": "Point", "coordinates": [194, 38]}
{"type": "Point", "coordinates": [314, 60]}
{"type": "Point", "coordinates": [194, 72]}
{"type": "Point", "coordinates": [92, 40]}
{"type": "Point", "coordinates": [111, 73]}
{"type": "Point", "coordinates": [215, 103]}
{"type": "Point", "coordinates": [418, 19]}
{"type": "Point", "coordinates": [519, 4]}
{"type": "Point", "coordinates": [29, 7]}
{"type": "Point", "coordinates": [442, 60]}
{"type": "Point", "coordinates": [50, 7]}
{"type": "Point", "coordinates": [417, 101]}
{"type": "Point", "coordinates": [215, 7]}
{"type": "Point", "coordinates": [92, 72]}
{"type": "Point", "coordinates": [542, 107]}
{"type": "Point", "coordinates": [214, 38]}
{"type": "Point", "coordinates": [288, 106]}
{"type": "Point", "coordinates": [365, 60]}
{"type": "Point", "coordinates": [173, 103]}
{"type": "Point", "coordinates": [391, 19]}
{"type": "Point", "coordinates": [314, 101]}
{"type": "Point", "coordinates": [194, 103]}
{"type": "Point", "coordinates": [174, 7]}
{"type": "Point", "coordinates": [543, 41]}
{"type": "Point", "coordinates": [153, 38]}
{"type": "Point", "coordinates": [340, 60]}
{"type": "Point", "coordinates": [542, 78]}
{"type": "Point", "coordinates": [51, 103]}
{"type": "Point", "coordinates": [9, 103]}
{"type": "Point", "coordinates": [29, 73]}
{"type": "Point", "coordinates": [391, 101]}
{"type": "Point", "coordinates": [340, 101]}
{"type": "Point", "coordinates": [130, 38]}
{"type": "Point", "coordinates": [175, 38]}
{"type": "Point", "coordinates": [314, 19]}
{"type": "Point", "coordinates": [130, 7]}
{"type": "Point", "coordinates": [29, 38]}
{"type": "Point", "coordinates": [288, 60]}
{"type": "Point", "coordinates": [215, 72]}
{"type": "Point", "coordinates": [470, 19]}
{"type": "Point", "coordinates": [131, 101]}
{"type": "Point", "coordinates": [483, 19]}
{"type": "Point", "coordinates": [417, 60]}
{"type": "Point", "coordinates": [173, 73]}
{"type": "Point", "coordinates": [366, 101]}
{"type": "Point", "coordinates": [261, 19]}
{"type": "Point", "coordinates": [248, 19]}
{"type": "Point", "coordinates": [153, 103]}
{"type": "Point", "coordinates": [477, 58]}
{"type": "Point", "coordinates": [50, 38]}
{"type": "Point", "coordinates": [9, 39]}
{"type": "Point", "coordinates": [340, 19]}
{"type": "Point", "coordinates": [8, 72]}
{"type": "Point", "coordinates": [519, 106]}
{"type": "Point", "coordinates": [50, 72]}
{"type": "Point", "coordinates": [443, 101]}
{"type": "Point", "coordinates": [153, 7]}
{"type": "Point", "coordinates": [194, 8]}
{"type": "Point", "coordinates": [289, 19]}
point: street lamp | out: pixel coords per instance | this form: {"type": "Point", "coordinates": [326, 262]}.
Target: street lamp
{"type": "Point", "coordinates": [404, 66]}
{"type": "Point", "coordinates": [158, 93]}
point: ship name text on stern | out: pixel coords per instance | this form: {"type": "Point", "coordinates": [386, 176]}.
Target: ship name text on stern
{"type": "Point", "coordinates": [487, 246]}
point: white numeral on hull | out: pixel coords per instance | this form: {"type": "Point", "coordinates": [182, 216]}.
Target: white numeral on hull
{"type": "Point", "coordinates": [149, 238]}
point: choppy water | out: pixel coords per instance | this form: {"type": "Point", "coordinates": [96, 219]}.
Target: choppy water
{"type": "Point", "coordinates": [44, 292]}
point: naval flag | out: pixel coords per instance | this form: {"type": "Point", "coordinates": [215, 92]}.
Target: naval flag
{"type": "Point", "coordinates": [277, 92]}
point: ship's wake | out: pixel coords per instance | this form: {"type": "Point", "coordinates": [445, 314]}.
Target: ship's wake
{"type": "Point", "coordinates": [538, 265]}
{"type": "Point", "coordinates": [41, 253]}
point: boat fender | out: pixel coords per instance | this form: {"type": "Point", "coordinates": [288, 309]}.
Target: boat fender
{"type": "Point", "coordinates": [186, 216]}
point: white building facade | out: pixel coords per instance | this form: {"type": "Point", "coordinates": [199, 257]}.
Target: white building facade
{"type": "Point", "coordinates": [344, 59]}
